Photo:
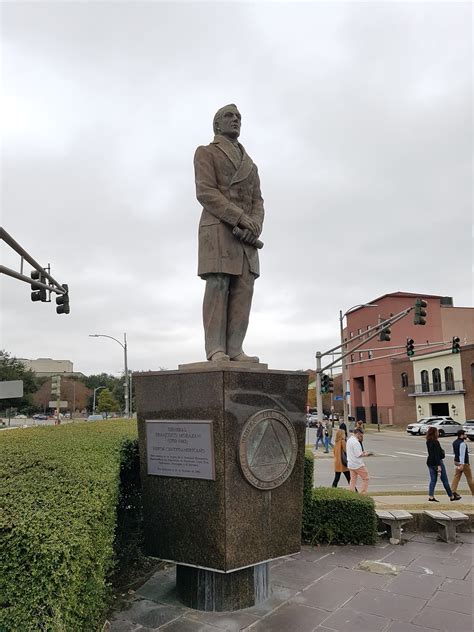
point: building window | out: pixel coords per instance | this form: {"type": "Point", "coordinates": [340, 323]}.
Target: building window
{"type": "Point", "coordinates": [472, 372]}
{"type": "Point", "coordinates": [361, 355]}
{"type": "Point", "coordinates": [449, 378]}
{"type": "Point", "coordinates": [404, 379]}
{"type": "Point", "coordinates": [352, 357]}
{"type": "Point", "coordinates": [359, 331]}
{"type": "Point", "coordinates": [352, 334]}
{"type": "Point", "coordinates": [370, 354]}
{"type": "Point", "coordinates": [436, 373]}
{"type": "Point", "coordinates": [425, 382]}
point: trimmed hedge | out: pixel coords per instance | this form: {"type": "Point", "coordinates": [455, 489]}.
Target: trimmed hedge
{"type": "Point", "coordinates": [59, 492]}
{"type": "Point", "coordinates": [339, 516]}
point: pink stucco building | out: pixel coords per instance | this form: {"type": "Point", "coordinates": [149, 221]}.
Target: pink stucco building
{"type": "Point", "coordinates": [370, 376]}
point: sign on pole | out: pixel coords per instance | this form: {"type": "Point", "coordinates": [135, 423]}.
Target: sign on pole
{"type": "Point", "coordinates": [11, 388]}
{"type": "Point", "coordinates": [54, 404]}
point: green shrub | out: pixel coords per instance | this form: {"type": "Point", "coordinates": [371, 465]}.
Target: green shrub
{"type": "Point", "coordinates": [129, 536]}
{"type": "Point", "coordinates": [59, 492]}
{"type": "Point", "coordinates": [339, 516]}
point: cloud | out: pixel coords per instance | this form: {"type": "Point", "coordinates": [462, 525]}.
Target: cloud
{"type": "Point", "coordinates": [357, 115]}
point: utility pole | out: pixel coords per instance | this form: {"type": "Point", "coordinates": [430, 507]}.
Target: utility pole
{"type": "Point", "coordinates": [126, 376]}
{"type": "Point", "coordinates": [319, 395]}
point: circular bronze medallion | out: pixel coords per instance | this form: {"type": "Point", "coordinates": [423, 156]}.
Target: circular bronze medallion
{"type": "Point", "coordinates": [268, 449]}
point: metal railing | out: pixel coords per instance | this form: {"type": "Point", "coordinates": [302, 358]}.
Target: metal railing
{"type": "Point", "coordinates": [436, 387]}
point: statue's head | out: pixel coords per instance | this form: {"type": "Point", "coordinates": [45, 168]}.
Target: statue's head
{"type": "Point", "coordinates": [227, 121]}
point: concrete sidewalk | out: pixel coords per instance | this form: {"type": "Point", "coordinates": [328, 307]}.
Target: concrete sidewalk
{"type": "Point", "coordinates": [323, 589]}
{"type": "Point", "coordinates": [407, 501]}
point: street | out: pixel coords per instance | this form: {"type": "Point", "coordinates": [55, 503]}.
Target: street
{"type": "Point", "coordinates": [398, 463]}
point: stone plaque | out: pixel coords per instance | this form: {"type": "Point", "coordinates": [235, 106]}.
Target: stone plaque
{"type": "Point", "coordinates": [268, 449]}
{"type": "Point", "coordinates": [180, 448]}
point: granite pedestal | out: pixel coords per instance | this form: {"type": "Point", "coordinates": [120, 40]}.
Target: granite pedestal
{"type": "Point", "coordinates": [223, 523]}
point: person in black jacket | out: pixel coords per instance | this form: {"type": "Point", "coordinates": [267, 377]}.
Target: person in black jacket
{"type": "Point", "coordinates": [436, 466]}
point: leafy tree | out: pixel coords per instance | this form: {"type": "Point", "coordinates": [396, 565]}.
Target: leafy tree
{"type": "Point", "coordinates": [106, 402]}
{"type": "Point", "coordinates": [13, 369]}
{"type": "Point", "coordinates": [112, 383]}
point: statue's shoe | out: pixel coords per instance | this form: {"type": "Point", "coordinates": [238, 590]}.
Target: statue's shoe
{"type": "Point", "coordinates": [219, 356]}
{"type": "Point", "coordinates": [243, 357]}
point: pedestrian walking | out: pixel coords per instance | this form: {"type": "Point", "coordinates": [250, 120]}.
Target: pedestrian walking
{"type": "Point", "coordinates": [328, 429]}
{"type": "Point", "coordinates": [319, 435]}
{"type": "Point", "coordinates": [360, 426]}
{"type": "Point", "coordinates": [355, 463]}
{"type": "Point", "coordinates": [436, 466]}
{"type": "Point", "coordinates": [461, 463]}
{"type": "Point", "coordinates": [342, 426]}
{"type": "Point", "coordinates": [340, 458]}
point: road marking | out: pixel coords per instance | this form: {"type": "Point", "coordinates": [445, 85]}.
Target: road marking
{"type": "Point", "coordinates": [422, 455]}
{"type": "Point", "coordinates": [390, 455]}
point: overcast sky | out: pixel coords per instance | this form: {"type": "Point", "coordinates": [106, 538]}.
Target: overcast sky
{"type": "Point", "coordinates": [358, 116]}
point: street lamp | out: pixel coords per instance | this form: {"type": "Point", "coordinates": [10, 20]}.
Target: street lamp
{"type": "Point", "coordinates": [343, 349]}
{"type": "Point", "coordinates": [124, 347]}
{"type": "Point", "coordinates": [93, 401]}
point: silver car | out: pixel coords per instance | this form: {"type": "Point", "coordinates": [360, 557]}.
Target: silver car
{"type": "Point", "coordinates": [468, 427]}
{"type": "Point", "coordinates": [445, 427]}
{"type": "Point", "coordinates": [415, 429]}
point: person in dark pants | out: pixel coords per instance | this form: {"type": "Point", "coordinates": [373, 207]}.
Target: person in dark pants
{"type": "Point", "coordinates": [436, 466]}
{"type": "Point", "coordinates": [461, 462]}
{"type": "Point", "coordinates": [328, 430]}
{"type": "Point", "coordinates": [339, 467]}
{"type": "Point", "coordinates": [319, 435]}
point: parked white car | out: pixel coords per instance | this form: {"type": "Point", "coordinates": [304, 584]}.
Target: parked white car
{"type": "Point", "coordinates": [415, 429]}
{"type": "Point", "coordinates": [468, 426]}
{"type": "Point", "coordinates": [445, 427]}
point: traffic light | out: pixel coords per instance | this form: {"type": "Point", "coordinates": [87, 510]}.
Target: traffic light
{"type": "Point", "coordinates": [420, 312]}
{"type": "Point", "coordinates": [456, 347]}
{"type": "Point", "coordinates": [62, 301]}
{"type": "Point", "coordinates": [38, 293]}
{"type": "Point", "coordinates": [410, 347]}
{"type": "Point", "coordinates": [56, 386]}
{"type": "Point", "coordinates": [384, 335]}
{"type": "Point", "coordinates": [327, 383]}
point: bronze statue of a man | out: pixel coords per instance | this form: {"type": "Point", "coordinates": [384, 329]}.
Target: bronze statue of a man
{"type": "Point", "coordinates": [228, 187]}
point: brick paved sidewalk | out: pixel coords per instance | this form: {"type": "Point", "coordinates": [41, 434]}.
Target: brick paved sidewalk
{"type": "Point", "coordinates": [322, 589]}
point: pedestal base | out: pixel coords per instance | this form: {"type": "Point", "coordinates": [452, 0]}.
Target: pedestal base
{"type": "Point", "coordinates": [219, 592]}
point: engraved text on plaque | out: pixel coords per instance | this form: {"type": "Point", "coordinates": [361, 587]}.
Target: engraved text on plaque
{"type": "Point", "coordinates": [182, 448]}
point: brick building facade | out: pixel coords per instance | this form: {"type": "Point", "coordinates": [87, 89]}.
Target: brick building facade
{"type": "Point", "coordinates": [371, 381]}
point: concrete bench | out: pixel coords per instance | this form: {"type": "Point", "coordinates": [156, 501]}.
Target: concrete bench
{"type": "Point", "coordinates": [447, 522]}
{"type": "Point", "coordinates": [395, 519]}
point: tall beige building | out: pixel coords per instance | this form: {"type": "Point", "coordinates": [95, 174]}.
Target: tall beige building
{"type": "Point", "coordinates": [48, 366]}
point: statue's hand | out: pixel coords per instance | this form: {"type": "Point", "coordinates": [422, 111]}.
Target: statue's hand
{"type": "Point", "coordinates": [249, 224]}
{"type": "Point", "coordinates": [248, 237]}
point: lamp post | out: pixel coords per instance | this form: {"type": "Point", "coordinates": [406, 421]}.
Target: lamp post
{"type": "Point", "coordinates": [126, 377]}
{"type": "Point", "coordinates": [93, 401]}
{"type": "Point", "coordinates": [341, 329]}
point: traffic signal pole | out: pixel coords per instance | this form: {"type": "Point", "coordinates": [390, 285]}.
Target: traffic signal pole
{"type": "Point", "coordinates": [319, 395]}
{"type": "Point", "coordinates": [343, 354]}
{"type": "Point", "coordinates": [54, 286]}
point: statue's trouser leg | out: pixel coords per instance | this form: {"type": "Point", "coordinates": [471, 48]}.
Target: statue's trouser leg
{"type": "Point", "coordinates": [238, 310]}
{"type": "Point", "coordinates": [214, 312]}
